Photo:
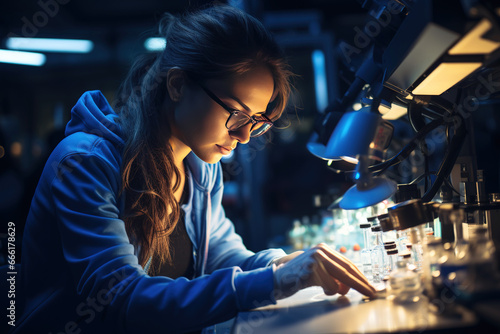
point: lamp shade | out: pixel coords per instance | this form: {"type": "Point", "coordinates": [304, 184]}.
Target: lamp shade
{"type": "Point", "coordinates": [357, 198]}
{"type": "Point", "coordinates": [317, 149]}
{"type": "Point", "coordinates": [368, 190]}
{"type": "Point", "coordinates": [337, 165]}
{"type": "Point", "coordinates": [359, 132]}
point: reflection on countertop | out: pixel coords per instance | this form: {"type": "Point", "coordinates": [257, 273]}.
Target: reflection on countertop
{"type": "Point", "coordinates": [311, 311]}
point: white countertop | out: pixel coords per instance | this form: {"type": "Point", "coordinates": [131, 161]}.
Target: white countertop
{"type": "Point", "coordinates": [311, 311]}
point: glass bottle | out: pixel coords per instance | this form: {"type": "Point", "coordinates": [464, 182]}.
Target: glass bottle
{"type": "Point", "coordinates": [411, 216]}
{"type": "Point", "coordinates": [483, 274]}
{"type": "Point", "coordinates": [377, 255]}
{"type": "Point", "coordinates": [388, 232]}
{"type": "Point", "coordinates": [402, 241]}
{"type": "Point", "coordinates": [435, 252]}
{"type": "Point", "coordinates": [460, 245]}
{"type": "Point", "coordinates": [366, 260]}
{"type": "Point", "coordinates": [454, 270]}
{"type": "Point", "coordinates": [404, 283]}
{"type": "Point", "coordinates": [392, 258]}
{"type": "Point", "coordinates": [416, 237]}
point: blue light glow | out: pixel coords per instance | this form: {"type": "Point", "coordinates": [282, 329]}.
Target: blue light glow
{"type": "Point", "coordinates": [22, 58]}
{"type": "Point", "coordinates": [50, 44]}
{"type": "Point", "coordinates": [320, 83]}
{"type": "Point", "coordinates": [155, 44]}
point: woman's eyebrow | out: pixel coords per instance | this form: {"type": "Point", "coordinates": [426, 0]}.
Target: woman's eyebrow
{"type": "Point", "coordinates": [243, 105]}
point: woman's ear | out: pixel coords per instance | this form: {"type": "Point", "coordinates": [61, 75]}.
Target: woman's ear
{"type": "Point", "coordinates": [175, 83]}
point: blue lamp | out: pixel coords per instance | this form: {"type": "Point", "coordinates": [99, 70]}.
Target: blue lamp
{"type": "Point", "coordinates": [335, 163]}
{"type": "Point", "coordinates": [360, 137]}
{"type": "Point", "coordinates": [317, 147]}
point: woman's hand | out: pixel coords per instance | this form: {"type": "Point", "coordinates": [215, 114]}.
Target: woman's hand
{"type": "Point", "coordinates": [287, 258]}
{"type": "Point", "coordinates": [318, 266]}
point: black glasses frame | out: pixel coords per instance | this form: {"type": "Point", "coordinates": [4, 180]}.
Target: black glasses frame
{"type": "Point", "coordinates": [266, 123]}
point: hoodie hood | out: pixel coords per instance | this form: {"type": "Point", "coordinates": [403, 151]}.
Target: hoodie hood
{"type": "Point", "coordinates": [93, 114]}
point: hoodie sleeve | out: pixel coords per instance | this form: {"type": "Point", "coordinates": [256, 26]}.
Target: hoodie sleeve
{"type": "Point", "coordinates": [226, 247]}
{"type": "Point", "coordinates": [103, 265]}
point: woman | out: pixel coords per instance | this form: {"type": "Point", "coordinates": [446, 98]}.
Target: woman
{"type": "Point", "coordinates": [126, 231]}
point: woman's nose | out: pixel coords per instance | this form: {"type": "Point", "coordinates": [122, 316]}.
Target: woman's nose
{"type": "Point", "coordinates": [242, 135]}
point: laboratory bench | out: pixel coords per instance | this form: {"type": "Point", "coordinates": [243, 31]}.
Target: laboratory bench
{"type": "Point", "coordinates": [310, 311]}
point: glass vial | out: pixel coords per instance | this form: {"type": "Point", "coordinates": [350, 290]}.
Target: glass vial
{"type": "Point", "coordinates": [366, 260]}
{"type": "Point", "coordinates": [377, 255]}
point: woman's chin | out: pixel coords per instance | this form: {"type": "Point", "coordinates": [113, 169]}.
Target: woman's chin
{"type": "Point", "coordinates": [210, 158]}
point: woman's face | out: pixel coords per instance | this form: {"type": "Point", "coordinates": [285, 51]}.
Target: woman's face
{"type": "Point", "coordinates": [200, 123]}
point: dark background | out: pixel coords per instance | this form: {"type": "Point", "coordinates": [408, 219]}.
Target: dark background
{"type": "Point", "coordinates": [268, 186]}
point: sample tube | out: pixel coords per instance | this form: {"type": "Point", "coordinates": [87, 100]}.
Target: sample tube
{"type": "Point", "coordinates": [411, 216]}
{"type": "Point", "coordinates": [404, 283]}
{"type": "Point", "coordinates": [377, 255]}
{"type": "Point", "coordinates": [366, 261]}
{"type": "Point", "coordinates": [390, 257]}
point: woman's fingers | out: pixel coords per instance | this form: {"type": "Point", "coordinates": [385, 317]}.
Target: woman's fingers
{"type": "Point", "coordinates": [344, 262]}
{"type": "Point", "coordinates": [343, 289]}
{"type": "Point", "coordinates": [330, 270]}
{"type": "Point", "coordinates": [346, 276]}
{"type": "Point", "coordinates": [330, 285]}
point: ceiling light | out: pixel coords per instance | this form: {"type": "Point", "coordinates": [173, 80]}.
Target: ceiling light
{"type": "Point", "coordinates": [155, 43]}
{"type": "Point", "coordinates": [50, 44]}
{"type": "Point", "coordinates": [396, 111]}
{"type": "Point", "coordinates": [445, 76]}
{"type": "Point", "coordinates": [473, 43]}
{"type": "Point", "coordinates": [320, 83]}
{"type": "Point", "coordinates": [22, 58]}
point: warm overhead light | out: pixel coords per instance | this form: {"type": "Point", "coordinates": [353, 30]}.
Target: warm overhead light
{"type": "Point", "coordinates": [445, 76]}
{"type": "Point", "coordinates": [155, 43]}
{"type": "Point", "coordinates": [349, 159]}
{"type": "Point", "coordinates": [394, 112]}
{"type": "Point", "coordinates": [50, 44]}
{"type": "Point", "coordinates": [356, 106]}
{"type": "Point", "coordinates": [22, 58]}
{"type": "Point", "coordinates": [16, 148]}
{"type": "Point", "coordinates": [473, 43]}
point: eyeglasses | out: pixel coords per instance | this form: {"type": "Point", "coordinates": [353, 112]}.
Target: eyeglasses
{"type": "Point", "coordinates": [238, 119]}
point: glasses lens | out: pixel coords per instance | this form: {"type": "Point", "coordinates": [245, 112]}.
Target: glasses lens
{"type": "Point", "coordinates": [240, 119]}
{"type": "Point", "coordinates": [237, 120]}
{"type": "Point", "coordinates": [260, 128]}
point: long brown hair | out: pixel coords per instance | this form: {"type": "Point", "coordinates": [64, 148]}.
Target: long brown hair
{"type": "Point", "coordinates": [215, 42]}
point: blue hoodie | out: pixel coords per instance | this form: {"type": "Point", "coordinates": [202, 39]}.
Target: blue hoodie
{"type": "Point", "coordinates": [79, 270]}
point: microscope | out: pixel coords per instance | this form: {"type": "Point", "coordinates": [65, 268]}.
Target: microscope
{"type": "Point", "coordinates": [434, 63]}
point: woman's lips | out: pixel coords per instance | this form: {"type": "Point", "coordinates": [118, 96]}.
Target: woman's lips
{"type": "Point", "coordinates": [224, 149]}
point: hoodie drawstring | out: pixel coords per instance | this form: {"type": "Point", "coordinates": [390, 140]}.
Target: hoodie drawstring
{"type": "Point", "coordinates": [207, 232]}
